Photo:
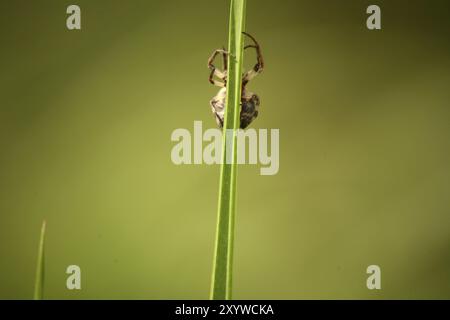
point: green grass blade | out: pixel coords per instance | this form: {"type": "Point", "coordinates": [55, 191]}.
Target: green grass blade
{"type": "Point", "coordinates": [223, 255]}
{"type": "Point", "coordinates": [39, 281]}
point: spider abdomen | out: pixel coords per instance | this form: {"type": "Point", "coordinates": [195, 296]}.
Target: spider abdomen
{"type": "Point", "coordinates": [218, 106]}
{"type": "Point", "coordinates": [249, 108]}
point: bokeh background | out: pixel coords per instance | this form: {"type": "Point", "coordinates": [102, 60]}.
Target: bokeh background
{"type": "Point", "coordinates": [85, 124]}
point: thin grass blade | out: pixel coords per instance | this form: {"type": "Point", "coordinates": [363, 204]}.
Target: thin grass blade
{"type": "Point", "coordinates": [40, 267]}
{"type": "Point", "coordinates": [221, 287]}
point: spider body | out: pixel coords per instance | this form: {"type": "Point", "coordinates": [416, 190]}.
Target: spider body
{"type": "Point", "coordinates": [249, 101]}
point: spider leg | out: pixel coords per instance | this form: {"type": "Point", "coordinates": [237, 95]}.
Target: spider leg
{"type": "Point", "coordinates": [216, 72]}
{"type": "Point", "coordinates": [259, 66]}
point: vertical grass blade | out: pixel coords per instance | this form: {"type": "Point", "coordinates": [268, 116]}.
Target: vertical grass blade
{"type": "Point", "coordinates": [223, 255]}
{"type": "Point", "coordinates": [40, 267]}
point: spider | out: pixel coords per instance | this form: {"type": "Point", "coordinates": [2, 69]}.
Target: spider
{"type": "Point", "coordinates": [249, 101]}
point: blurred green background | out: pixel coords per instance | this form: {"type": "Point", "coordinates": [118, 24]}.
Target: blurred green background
{"type": "Point", "coordinates": [85, 124]}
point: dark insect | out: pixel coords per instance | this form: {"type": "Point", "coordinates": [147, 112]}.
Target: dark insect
{"type": "Point", "coordinates": [249, 101]}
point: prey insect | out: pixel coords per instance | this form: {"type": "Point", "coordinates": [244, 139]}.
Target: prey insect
{"type": "Point", "coordinates": [249, 100]}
